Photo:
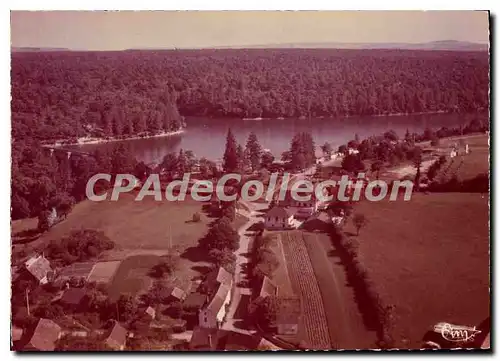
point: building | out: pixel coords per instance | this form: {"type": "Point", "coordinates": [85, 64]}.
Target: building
{"type": "Point", "coordinates": [150, 312]}
{"type": "Point", "coordinates": [73, 297]}
{"type": "Point", "coordinates": [42, 337]}
{"type": "Point", "coordinates": [195, 301]}
{"type": "Point", "coordinates": [288, 316]}
{"type": "Point", "coordinates": [279, 218]}
{"type": "Point", "coordinates": [219, 284]}
{"type": "Point", "coordinates": [116, 337]}
{"type": "Point", "coordinates": [175, 294]}
{"type": "Point", "coordinates": [39, 268]}
{"type": "Point", "coordinates": [267, 288]}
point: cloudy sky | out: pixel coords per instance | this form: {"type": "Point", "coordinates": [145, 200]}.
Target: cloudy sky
{"type": "Point", "coordinates": [94, 30]}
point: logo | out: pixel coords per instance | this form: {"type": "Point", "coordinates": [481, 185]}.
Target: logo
{"type": "Point", "coordinates": [454, 333]}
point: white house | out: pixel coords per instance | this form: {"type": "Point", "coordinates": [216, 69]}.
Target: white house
{"type": "Point", "coordinates": [39, 267]}
{"type": "Point", "coordinates": [212, 315]}
{"type": "Point", "coordinates": [279, 218]}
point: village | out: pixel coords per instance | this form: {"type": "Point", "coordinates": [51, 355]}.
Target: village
{"type": "Point", "coordinates": [263, 286]}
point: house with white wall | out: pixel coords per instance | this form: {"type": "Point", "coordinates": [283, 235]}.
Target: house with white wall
{"type": "Point", "coordinates": [279, 217]}
{"type": "Point", "coordinates": [219, 284]}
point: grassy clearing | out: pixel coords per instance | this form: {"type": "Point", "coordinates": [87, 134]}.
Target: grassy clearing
{"type": "Point", "coordinates": [281, 277]}
{"type": "Point", "coordinates": [137, 228]}
{"type": "Point", "coordinates": [345, 322]}
{"type": "Point", "coordinates": [429, 257]}
{"type": "Point", "coordinates": [132, 276]}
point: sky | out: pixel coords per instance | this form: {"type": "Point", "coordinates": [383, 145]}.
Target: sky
{"type": "Point", "coordinates": [99, 30]}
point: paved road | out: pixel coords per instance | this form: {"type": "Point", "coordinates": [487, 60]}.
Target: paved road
{"type": "Point", "coordinates": [241, 293]}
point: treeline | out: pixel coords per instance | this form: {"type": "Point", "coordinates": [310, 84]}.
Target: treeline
{"type": "Point", "coordinates": [61, 95]}
{"type": "Point", "coordinates": [42, 183]}
{"type": "Point", "coordinates": [388, 149]}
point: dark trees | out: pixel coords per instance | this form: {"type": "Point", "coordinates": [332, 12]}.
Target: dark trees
{"type": "Point", "coordinates": [231, 156]}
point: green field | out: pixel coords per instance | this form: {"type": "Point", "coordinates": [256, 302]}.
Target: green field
{"type": "Point", "coordinates": [429, 257]}
{"type": "Point", "coordinates": [146, 228]}
{"type": "Point", "coordinates": [132, 276]}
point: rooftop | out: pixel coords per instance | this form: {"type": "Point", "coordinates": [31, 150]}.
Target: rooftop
{"type": "Point", "coordinates": [42, 336]}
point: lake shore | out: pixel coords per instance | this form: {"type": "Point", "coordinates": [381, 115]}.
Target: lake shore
{"type": "Point", "coordinates": [92, 140]}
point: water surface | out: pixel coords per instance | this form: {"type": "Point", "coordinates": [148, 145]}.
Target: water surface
{"type": "Point", "coordinates": [206, 137]}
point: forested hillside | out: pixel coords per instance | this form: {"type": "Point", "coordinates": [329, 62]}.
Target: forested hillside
{"type": "Point", "coordinates": [62, 95]}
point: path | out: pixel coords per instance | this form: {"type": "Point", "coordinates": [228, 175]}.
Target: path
{"type": "Point", "coordinates": [241, 292]}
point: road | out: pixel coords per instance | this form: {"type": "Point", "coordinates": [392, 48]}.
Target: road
{"type": "Point", "coordinates": [241, 293]}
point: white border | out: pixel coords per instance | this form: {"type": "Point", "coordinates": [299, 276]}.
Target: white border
{"type": "Point", "coordinates": [180, 5]}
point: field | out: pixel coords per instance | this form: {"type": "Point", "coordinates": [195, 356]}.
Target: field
{"type": "Point", "coordinates": [467, 166]}
{"type": "Point", "coordinates": [281, 277]}
{"type": "Point", "coordinates": [78, 270]}
{"type": "Point", "coordinates": [147, 229]}
{"type": "Point", "coordinates": [429, 257]}
{"type": "Point", "coordinates": [345, 322]}
{"type": "Point", "coordinates": [103, 272]}
{"type": "Point", "coordinates": [313, 328]}
{"type": "Point", "coordinates": [132, 276]}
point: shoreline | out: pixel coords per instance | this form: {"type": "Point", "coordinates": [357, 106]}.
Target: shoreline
{"type": "Point", "coordinates": [86, 140]}
{"type": "Point", "coordinates": [353, 116]}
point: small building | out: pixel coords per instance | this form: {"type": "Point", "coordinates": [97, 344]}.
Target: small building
{"type": "Point", "coordinates": [73, 297]}
{"type": "Point", "coordinates": [39, 268]}
{"type": "Point", "coordinates": [116, 338]}
{"type": "Point", "coordinates": [175, 294]}
{"type": "Point", "coordinates": [42, 337]}
{"type": "Point", "coordinates": [195, 301]}
{"type": "Point", "coordinates": [267, 288]}
{"type": "Point", "coordinates": [204, 339]}
{"type": "Point", "coordinates": [219, 284]}
{"type": "Point", "coordinates": [288, 316]}
{"type": "Point", "coordinates": [150, 312]}
{"type": "Point", "coordinates": [279, 218]}
{"type": "Point", "coordinates": [16, 334]}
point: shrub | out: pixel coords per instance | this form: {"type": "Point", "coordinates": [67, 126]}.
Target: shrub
{"type": "Point", "coordinates": [196, 217]}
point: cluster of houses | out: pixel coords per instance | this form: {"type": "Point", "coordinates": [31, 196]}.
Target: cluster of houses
{"type": "Point", "coordinates": [291, 213]}
{"type": "Point", "coordinates": [210, 301]}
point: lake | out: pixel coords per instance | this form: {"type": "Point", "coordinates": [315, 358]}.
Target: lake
{"type": "Point", "coordinates": [206, 137]}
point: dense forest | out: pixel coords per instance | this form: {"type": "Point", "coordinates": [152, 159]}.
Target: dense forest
{"type": "Point", "coordinates": [67, 95]}
{"type": "Point", "coordinates": [64, 95]}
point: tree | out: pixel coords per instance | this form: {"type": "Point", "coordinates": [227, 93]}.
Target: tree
{"type": "Point", "coordinates": [254, 151]}
{"type": "Point", "coordinates": [76, 343]}
{"type": "Point", "coordinates": [222, 258]}
{"type": "Point", "coordinates": [125, 308]}
{"type": "Point", "coordinates": [196, 217]}
{"type": "Point", "coordinates": [243, 161]}
{"type": "Point", "coordinates": [376, 167]}
{"type": "Point", "coordinates": [266, 311]}
{"type": "Point", "coordinates": [267, 159]}
{"type": "Point", "coordinates": [122, 161]}
{"type": "Point", "coordinates": [190, 160]}
{"type": "Point", "coordinates": [327, 149]}
{"type": "Point", "coordinates": [352, 163]}
{"type": "Point", "coordinates": [169, 164]}
{"type": "Point", "coordinates": [359, 220]}
{"type": "Point", "coordinates": [417, 162]}
{"type": "Point", "coordinates": [182, 163]}
{"type": "Point", "coordinates": [165, 267]}
{"type": "Point", "coordinates": [230, 159]}
{"type": "Point", "coordinates": [222, 235]}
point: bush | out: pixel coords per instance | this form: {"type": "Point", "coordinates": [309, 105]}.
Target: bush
{"type": "Point", "coordinates": [196, 217]}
